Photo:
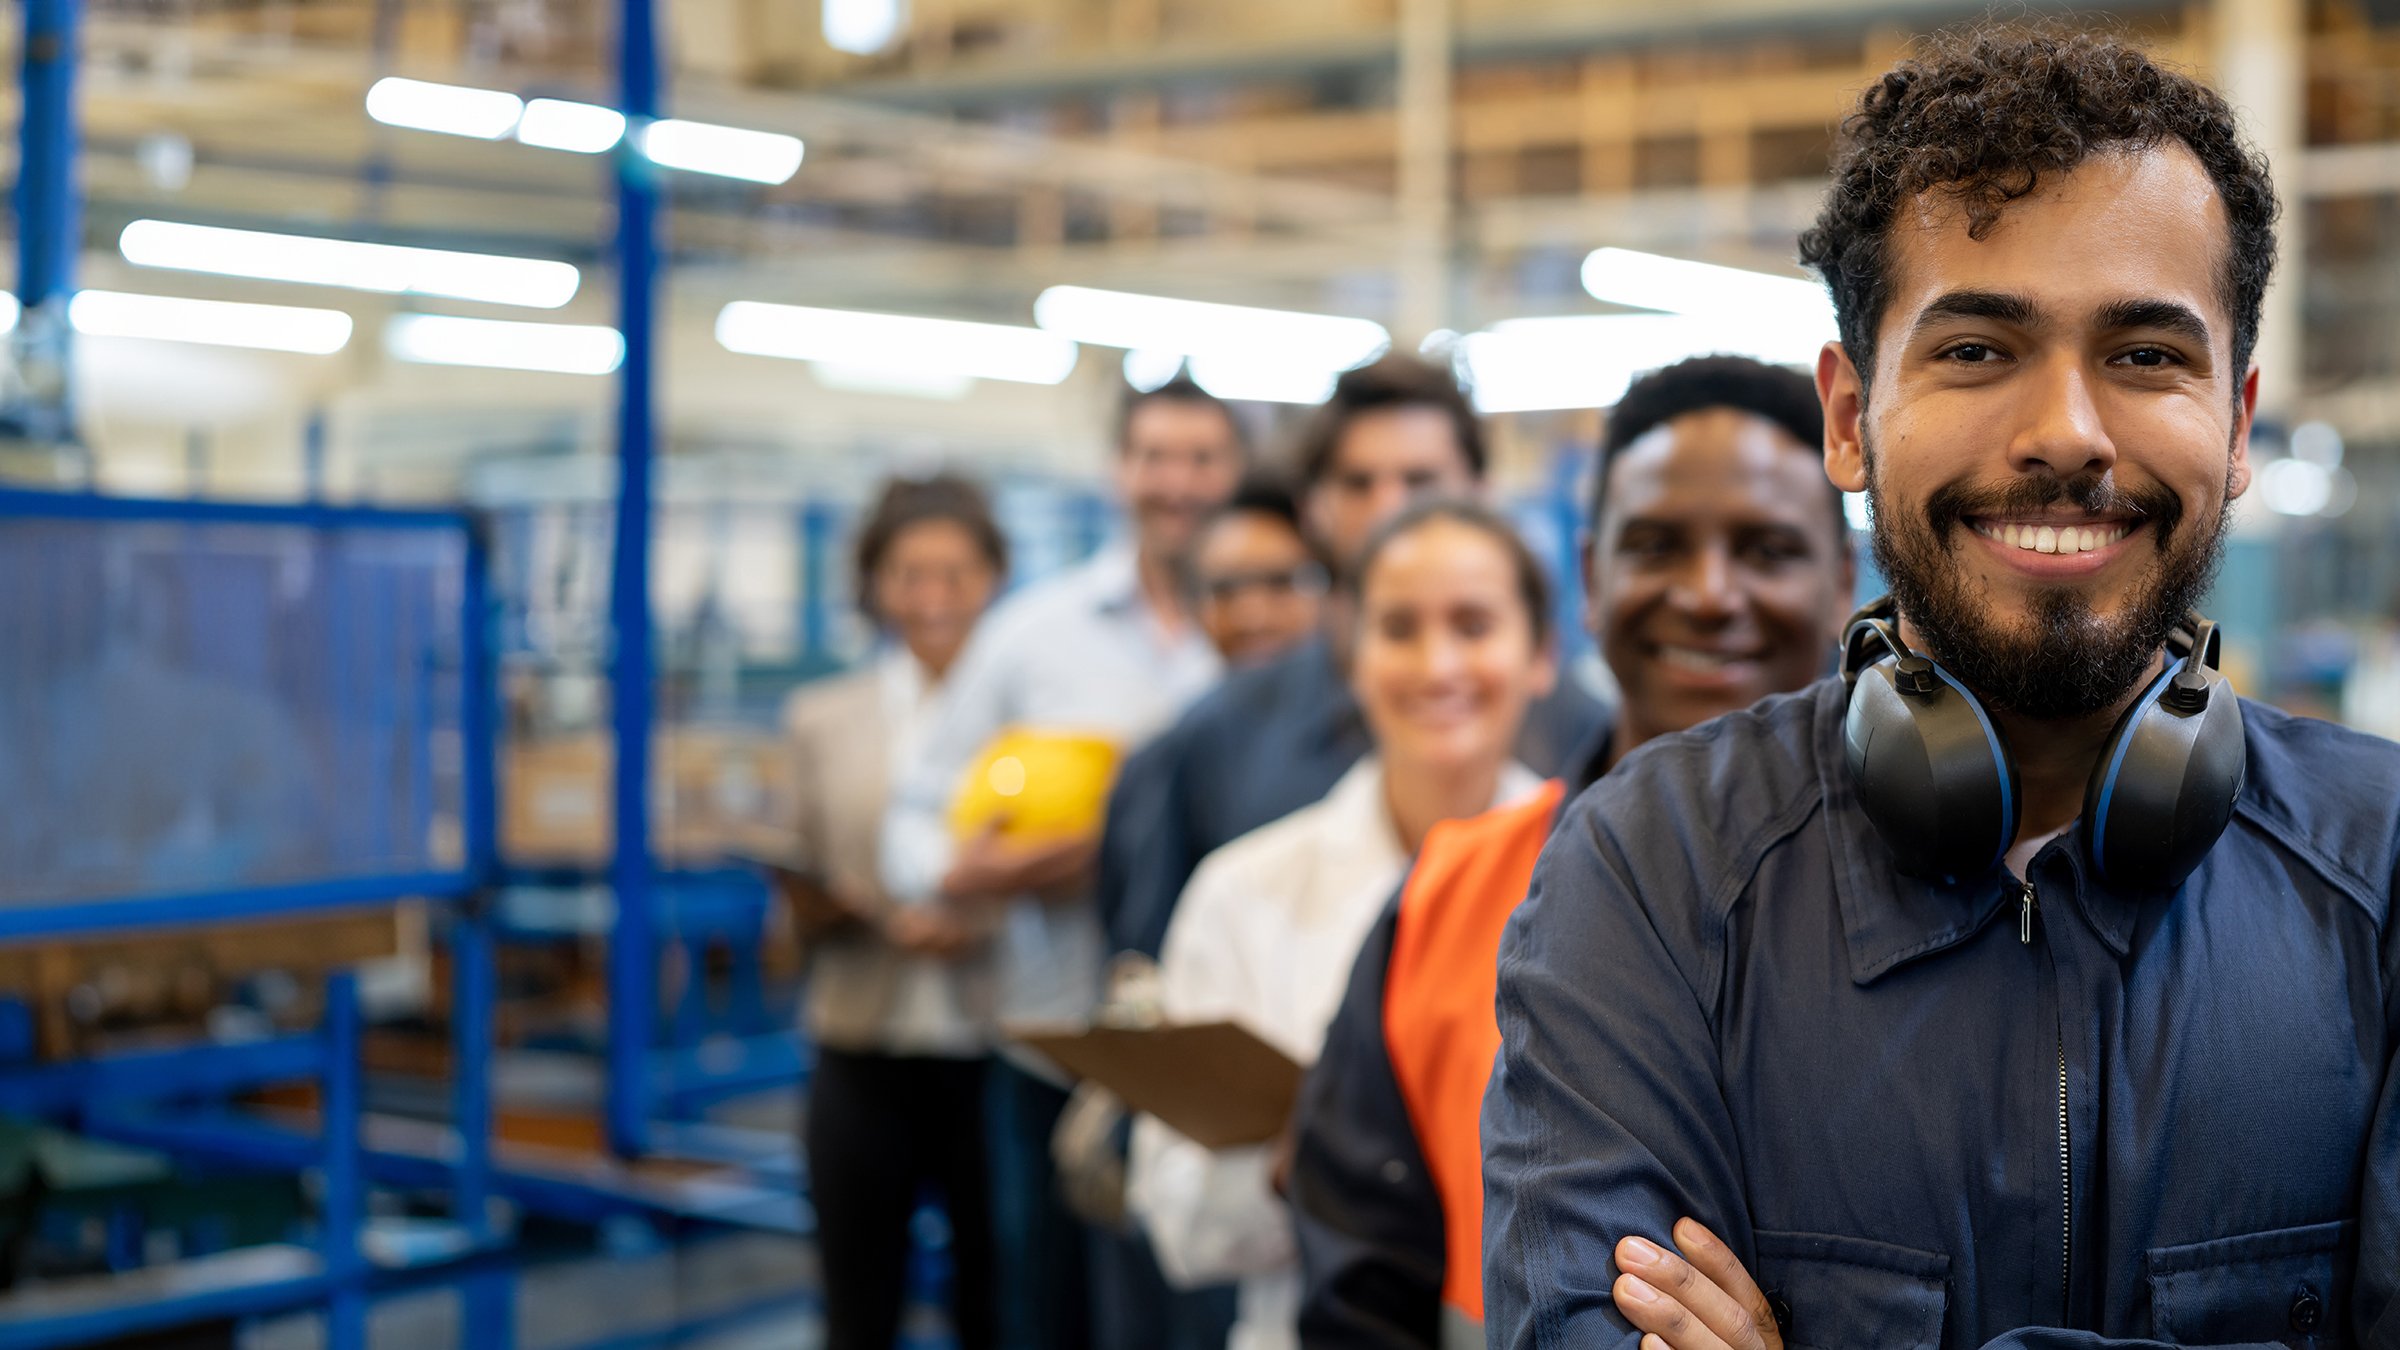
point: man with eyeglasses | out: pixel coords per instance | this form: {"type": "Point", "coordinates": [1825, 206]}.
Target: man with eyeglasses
{"type": "Point", "coordinates": [1257, 586]}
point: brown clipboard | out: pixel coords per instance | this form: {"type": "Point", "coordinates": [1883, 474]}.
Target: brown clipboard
{"type": "Point", "coordinates": [1216, 1083]}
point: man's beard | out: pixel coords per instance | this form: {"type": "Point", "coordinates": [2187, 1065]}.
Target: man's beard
{"type": "Point", "coordinates": [2066, 661]}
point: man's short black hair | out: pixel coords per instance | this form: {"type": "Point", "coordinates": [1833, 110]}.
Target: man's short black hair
{"type": "Point", "coordinates": [1261, 493]}
{"type": "Point", "coordinates": [1982, 116]}
{"type": "Point", "coordinates": [1779, 394]}
{"type": "Point", "coordinates": [1181, 389]}
{"type": "Point", "coordinates": [1384, 385]}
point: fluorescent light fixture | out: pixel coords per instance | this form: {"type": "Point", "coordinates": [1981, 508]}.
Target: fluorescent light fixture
{"type": "Point", "coordinates": [1587, 360]}
{"type": "Point", "coordinates": [900, 343]}
{"type": "Point", "coordinates": [583, 128]}
{"type": "Point", "coordinates": [1261, 380]}
{"type": "Point", "coordinates": [909, 384]}
{"type": "Point", "coordinates": [2317, 443]}
{"type": "Point", "coordinates": [504, 344]}
{"type": "Point", "coordinates": [485, 114]}
{"type": "Point", "coordinates": [1535, 365]}
{"type": "Point", "coordinates": [385, 268]}
{"type": "Point", "coordinates": [1148, 370]}
{"type": "Point", "coordinates": [1317, 342]}
{"type": "Point", "coordinates": [863, 27]}
{"type": "Point", "coordinates": [728, 152]}
{"type": "Point", "coordinates": [11, 309]}
{"type": "Point", "coordinates": [215, 323]}
{"type": "Point", "coordinates": [1621, 276]}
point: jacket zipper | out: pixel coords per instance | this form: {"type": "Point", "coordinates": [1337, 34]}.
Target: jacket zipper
{"type": "Point", "coordinates": [2028, 905]}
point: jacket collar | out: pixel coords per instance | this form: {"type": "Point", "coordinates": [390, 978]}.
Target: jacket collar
{"type": "Point", "coordinates": [1590, 759]}
{"type": "Point", "coordinates": [1890, 919]}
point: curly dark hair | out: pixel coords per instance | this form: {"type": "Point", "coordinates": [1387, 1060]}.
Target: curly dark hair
{"type": "Point", "coordinates": [907, 502]}
{"type": "Point", "coordinates": [1779, 394]}
{"type": "Point", "coordinates": [1981, 115]}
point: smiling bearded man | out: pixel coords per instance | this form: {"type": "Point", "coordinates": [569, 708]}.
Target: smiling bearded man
{"type": "Point", "coordinates": [2023, 987]}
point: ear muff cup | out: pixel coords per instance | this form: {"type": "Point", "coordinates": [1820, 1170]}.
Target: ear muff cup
{"type": "Point", "coordinates": [1930, 770]}
{"type": "Point", "coordinates": [2163, 790]}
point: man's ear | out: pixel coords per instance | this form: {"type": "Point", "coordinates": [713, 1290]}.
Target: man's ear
{"type": "Point", "coordinates": [1844, 397]}
{"type": "Point", "coordinates": [2237, 475]}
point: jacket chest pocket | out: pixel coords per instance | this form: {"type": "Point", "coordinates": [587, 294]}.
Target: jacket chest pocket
{"type": "Point", "coordinates": [2290, 1285]}
{"type": "Point", "coordinates": [1839, 1293]}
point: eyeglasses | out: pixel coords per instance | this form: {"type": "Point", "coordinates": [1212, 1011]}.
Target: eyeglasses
{"type": "Point", "coordinates": [1306, 579]}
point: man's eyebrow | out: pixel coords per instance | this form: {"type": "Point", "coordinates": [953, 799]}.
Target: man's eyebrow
{"type": "Point", "coordinates": [1997, 306]}
{"type": "Point", "coordinates": [2166, 316]}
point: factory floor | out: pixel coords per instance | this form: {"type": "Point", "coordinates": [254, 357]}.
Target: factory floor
{"type": "Point", "coordinates": [630, 1287]}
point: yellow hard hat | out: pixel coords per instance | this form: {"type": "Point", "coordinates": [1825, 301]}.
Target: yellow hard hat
{"type": "Point", "coordinates": [1038, 784]}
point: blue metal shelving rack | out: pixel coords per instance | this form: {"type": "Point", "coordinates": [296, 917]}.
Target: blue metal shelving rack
{"type": "Point", "coordinates": [179, 1100]}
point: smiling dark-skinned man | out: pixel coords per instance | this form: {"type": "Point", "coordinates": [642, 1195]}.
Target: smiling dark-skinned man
{"type": "Point", "coordinates": [2040, 992]}
{"type": "Point", "coordinates": [1719, 568]}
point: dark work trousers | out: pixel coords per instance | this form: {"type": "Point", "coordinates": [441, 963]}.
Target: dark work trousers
{"type": "Point", "coordinates": [881, 1130]}
{"type": "Point", "coordinates": [1045, 1282]}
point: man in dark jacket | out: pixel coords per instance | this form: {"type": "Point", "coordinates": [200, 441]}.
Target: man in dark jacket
{"type": "Point", "coordinates": [1718, 571]}
{"type": "Point", "coordinates": [2037, 1098]}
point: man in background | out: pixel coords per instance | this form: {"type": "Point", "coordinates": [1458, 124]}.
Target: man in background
{"type": "Point", "coordinates": [1257, 584]}
{"type": "Point", "coordinates": [1274, 739]}
{"type": "Point", "coordinates": [1109, 647]}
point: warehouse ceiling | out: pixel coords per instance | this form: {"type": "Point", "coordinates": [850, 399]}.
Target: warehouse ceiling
{"type": "Point", "coordinates": [991, 152]}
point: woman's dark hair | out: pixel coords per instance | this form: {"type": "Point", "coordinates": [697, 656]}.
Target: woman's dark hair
{"type": "Point", "coordinates": [907, 502]}
{"type": "Point", "coordinates": [1982, 116]}
{"type": "Point", "coordinates": [1779, 394]}
{"type": "Point", "coordinates": [1390, 383]}
{"type": "Point", "coordinates": [1533, 582]}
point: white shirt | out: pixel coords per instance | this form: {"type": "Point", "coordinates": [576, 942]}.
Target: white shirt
{"type": "Point", "coordinates": [1080, 652]}
{"type": "Point", "coordinates": [926, 1015]}
{"type": "Point", "coordinates": [1265, 934]}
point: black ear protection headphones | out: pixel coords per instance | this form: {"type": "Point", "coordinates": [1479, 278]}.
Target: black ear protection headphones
{"type": "Point", "coordinates": [1933, 773]}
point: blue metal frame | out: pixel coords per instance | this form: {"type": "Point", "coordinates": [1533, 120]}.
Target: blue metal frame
{"type": "Point", "coordinates": [107, 1085]}
{"type": "Point", "coordinates": [633, 947]}
{"type": "Point", "coordinates": [124, 1095]}
{"type": "Point", "coordinates": [84, 914]}
{"type": "Point", "coordinates": [71, 916]}
{"type": "Point", "coordinates": [49, 214]}
{"type": "Point", "coordinates": [38, 504]}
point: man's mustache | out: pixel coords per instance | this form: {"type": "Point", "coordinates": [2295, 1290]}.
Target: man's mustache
{"type": "Point", "coordinates": [1953, 504]}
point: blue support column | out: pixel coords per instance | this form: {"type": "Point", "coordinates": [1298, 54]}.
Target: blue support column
{"type": "Point", "coordinates": [633, 946]}
{"type": "Point", "coordinates": [819, 523]}
{"type": "Point", "coordinates": [345, 1203]}
{"type": "Point", "coordinates": [49, 224]}
{"type": "Point", "coordinates": [474, 975]}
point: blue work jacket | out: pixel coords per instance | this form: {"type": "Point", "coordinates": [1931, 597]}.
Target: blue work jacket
{"type": "Point", "coordinates": [2037, 1113]}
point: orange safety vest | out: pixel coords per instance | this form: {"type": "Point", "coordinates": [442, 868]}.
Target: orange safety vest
{"type": "Point", "coordinates": [1438, 1025]}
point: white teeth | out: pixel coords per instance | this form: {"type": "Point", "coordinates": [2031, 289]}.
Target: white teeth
{"type": "Point", "coordinates": [2054, 539]}
{"type": "Point", "coordinates": [1692, 659]}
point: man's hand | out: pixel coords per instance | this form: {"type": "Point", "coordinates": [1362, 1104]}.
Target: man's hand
{"type": "Point", "coordinates": [989, 867]}
{"type": "Point", "coordinates": [1701, 1300]}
